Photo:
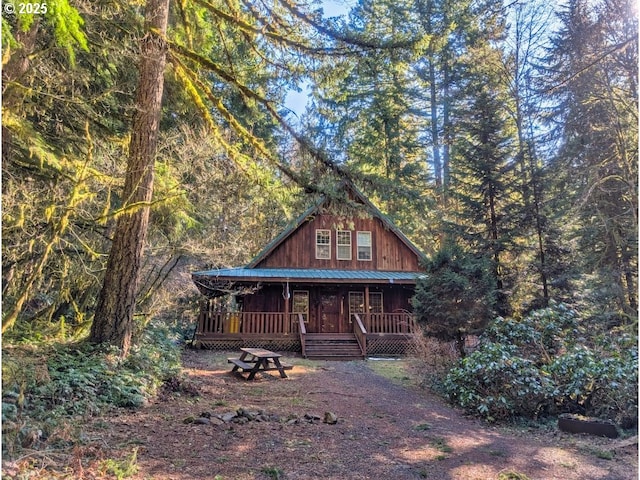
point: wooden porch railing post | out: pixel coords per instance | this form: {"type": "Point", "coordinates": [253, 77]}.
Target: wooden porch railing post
{"type": "Point", "coordinates": [366, 306]}
{"type": "Point", "coordinates": [361, 334]}
{"type": "Point", "coordinates": [286, 319]}
{"type": "Point", "coordinates": [303, 334]}
{"type": "Point", "coordinates": [202, 315]}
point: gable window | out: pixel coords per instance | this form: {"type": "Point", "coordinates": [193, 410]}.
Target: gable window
{"type": "Point", "coordinates": [364, 245]}
{"type": "Point", "coordinates": [323, 244]}
{"type": "Point", "coordinates": [301, 303]}
{"type": "Point", "coordinates": [343, 245]}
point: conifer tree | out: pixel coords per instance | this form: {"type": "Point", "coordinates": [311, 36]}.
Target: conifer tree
{"type": "Point", "coordinates": [456, 297]}
{"type": "Point", "coordinates": [113, 318]}
{"type": "Point", "coordinates": [375, 114]}
{"type": "Point", "coordinates": [594, 89]}
{"type": "Point", "coordinates": [484, 203]}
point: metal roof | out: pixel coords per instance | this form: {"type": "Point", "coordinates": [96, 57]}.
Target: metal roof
{"type": "Point", "coordinates": [308, 275]}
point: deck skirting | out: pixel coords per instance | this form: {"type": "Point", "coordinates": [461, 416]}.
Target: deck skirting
{"type": "Point", "coordinates": [377, 343]}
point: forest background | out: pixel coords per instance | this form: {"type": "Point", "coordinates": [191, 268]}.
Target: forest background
{"type": "Point", "coordinates": [507, 128]}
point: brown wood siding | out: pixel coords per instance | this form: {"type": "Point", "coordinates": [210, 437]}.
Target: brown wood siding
{"type": "Point", "coordinates": [299, 249]}
{"type": "Point", "coordinates": [267, 299]}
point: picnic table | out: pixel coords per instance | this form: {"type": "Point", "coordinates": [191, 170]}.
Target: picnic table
{"type": "Point", "coordinates": [254, 360]}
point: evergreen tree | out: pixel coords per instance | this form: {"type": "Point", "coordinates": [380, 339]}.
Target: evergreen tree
{"type": "Point", "coordinates": [374, 113]}
{"type": "Point", "coordinates": [484, 202]}
{"type": "Point", "coordinates": [447, 25]}
{"type": "Point", "coordinates": [480, 183]}
{"type": "Point", "coordinates": [113, 319]}
{"type": "Point", "coordinates": [536, 265]}
{"type": "Point", "coordinates": [595, 93]}
{"type": "Point", "coordinates": [456, 296]}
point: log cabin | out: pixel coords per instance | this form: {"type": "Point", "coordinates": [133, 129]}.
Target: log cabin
{"type": "Point", "coordinates": [337, 283]}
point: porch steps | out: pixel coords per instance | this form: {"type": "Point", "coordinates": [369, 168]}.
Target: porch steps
{"type": "Point", "coordinates": [332, 346]}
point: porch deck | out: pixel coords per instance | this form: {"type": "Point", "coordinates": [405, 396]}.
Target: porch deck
{"type": "Point", "coordinates": [375, 334]}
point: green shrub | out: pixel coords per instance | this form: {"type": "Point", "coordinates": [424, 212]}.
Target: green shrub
{"type": "Point", "coordinates": [541, 334]}
{"type": "Point", "coordinates": [547, 363]}
{"type": "Point", "coordinates": [592, 384]}
{"type": "Point", "coordinates": [495, 383]}
{"type": "Point", "coordinates": [66, 381]}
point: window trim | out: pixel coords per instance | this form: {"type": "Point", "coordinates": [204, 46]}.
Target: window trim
{"type": "Point", "coordinates": [338, 245]}
{"type": "Point", "coordinates": [369, 247]}
{"type": "Point", "coordinates": [328, 233]}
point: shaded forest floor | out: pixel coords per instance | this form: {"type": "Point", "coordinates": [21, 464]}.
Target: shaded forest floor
{"type": "Point", "coordinates": [386, 428]}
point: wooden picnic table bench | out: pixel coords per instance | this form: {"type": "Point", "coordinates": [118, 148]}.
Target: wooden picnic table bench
{"type": "Point", "coordinates": [254, 360]}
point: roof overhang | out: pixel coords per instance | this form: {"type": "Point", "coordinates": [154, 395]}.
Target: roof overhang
{"type": "Point", "coordinates": [222, 279]}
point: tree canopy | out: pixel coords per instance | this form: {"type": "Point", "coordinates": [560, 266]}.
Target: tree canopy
{"type": "Point", "coordinates": [507, 128]}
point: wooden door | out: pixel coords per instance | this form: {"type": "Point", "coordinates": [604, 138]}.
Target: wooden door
{"type": "Point", "coordinates": [329, 313]}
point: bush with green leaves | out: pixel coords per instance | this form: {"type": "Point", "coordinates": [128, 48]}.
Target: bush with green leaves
{"type": "Point", "coordinates": [44, 390]}
{"type": "Point", "coordinates": [592, 384]}
{"type": "Point", "coordinates": [495, 383]}
{"type": "Point", "coordinates": [542, 334]}
{"type": "Point", "coordinates": [547, 363]}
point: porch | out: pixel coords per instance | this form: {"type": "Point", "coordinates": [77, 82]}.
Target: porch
{"type": "Point", "coordinates": [366, 334]}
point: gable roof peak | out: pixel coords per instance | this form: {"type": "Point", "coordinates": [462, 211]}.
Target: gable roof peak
{"type": "Point", "coordinates": [348, 187]}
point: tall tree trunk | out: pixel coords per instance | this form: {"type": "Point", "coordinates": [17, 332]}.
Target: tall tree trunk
{"type": "Point", "coordinates": [433, 101]}
{"type": "Point", "coordinates": [435, 136]}
{"type": "Point", "coordinates": [113, 320]}
{"type": "Point", "coordinates": [502, 299]}
{"type": "Point", "coordinates": [447, 128]}
{"type": "Point", "coordinates": [537, 204]}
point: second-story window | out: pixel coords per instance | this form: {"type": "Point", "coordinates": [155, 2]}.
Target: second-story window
{"type": "Point", "coordinates": [364, 245]}
{"type": "Point", "coordinates": [323, 244]}
{"type": "Point", "coordinates": [343, 245]}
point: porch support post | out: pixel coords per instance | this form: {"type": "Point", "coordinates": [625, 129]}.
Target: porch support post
{"type": "Point", "coordinates": [287, 320]}
{"type": "Point", "coordinates": [367, 316]}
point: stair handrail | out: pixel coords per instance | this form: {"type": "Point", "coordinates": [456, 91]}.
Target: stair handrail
{"type": "Point", "coordinates": [361, 334]}
{"type": "Point", "coordinates": [303, 333]}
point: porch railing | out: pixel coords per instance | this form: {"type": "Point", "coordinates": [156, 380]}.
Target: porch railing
{"type": "Point", "coordinates": [389, 322]}
{"type": "Point", "coordinates": [246, 322]}
{"type": "Point", "coordinates": [361, 333]}
{"type": "Point", "coordinates": [216, 322]}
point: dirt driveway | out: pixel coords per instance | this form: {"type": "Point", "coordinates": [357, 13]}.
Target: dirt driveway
{"type": "Point", "coordinates": [384, 430]}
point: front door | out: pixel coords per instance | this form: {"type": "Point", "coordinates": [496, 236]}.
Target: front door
{"type": "Point", "coordinates": [329, 313]}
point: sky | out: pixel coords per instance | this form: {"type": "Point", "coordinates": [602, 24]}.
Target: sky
{"type": "Point", "coordinates": [335, 8]}
{"type": "Point", "coordinates": [297, 101]}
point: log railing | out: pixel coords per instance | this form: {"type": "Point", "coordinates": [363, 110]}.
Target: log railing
{"type": "Point", "coordinates": [361, 333]}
